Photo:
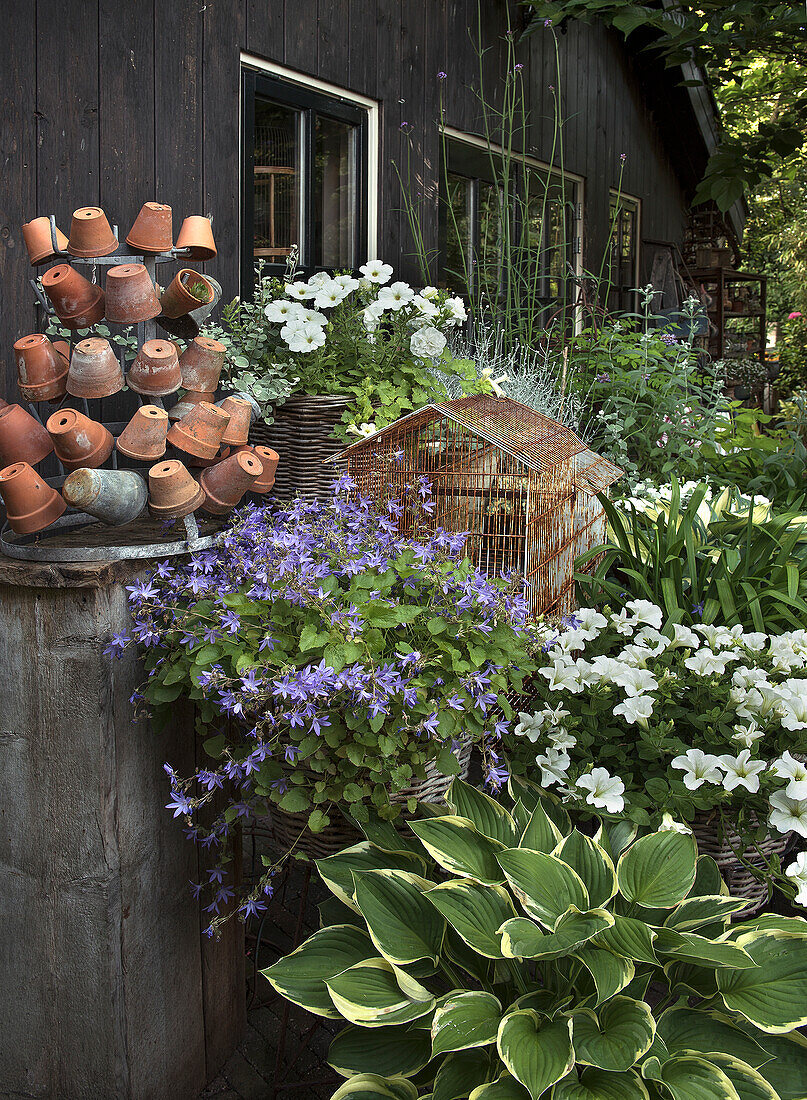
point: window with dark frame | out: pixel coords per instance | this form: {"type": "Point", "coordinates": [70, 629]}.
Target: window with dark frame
{"type": "Point", "coordinates": [304, 178]}
{"type": "Point", "coordinates": [624, 253]}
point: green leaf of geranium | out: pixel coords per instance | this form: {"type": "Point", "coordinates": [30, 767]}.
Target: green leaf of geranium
{"type": "Point", "coordinates": [614, 1037]}
{"type": "Point", "coordinates": [658, 870]}
{"type": "Point", "coordinates": [538, 1052]}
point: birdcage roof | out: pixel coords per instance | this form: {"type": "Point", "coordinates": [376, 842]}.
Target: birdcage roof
{"type": "Point", "coordinates": [528, 436]}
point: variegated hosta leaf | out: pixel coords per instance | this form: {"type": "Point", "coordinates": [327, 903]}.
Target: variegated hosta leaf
{"type": "Point", "coordinates": [787, 1069]}
{"type": "Point", "coordinates": [490, 817]}
{"type": "Point", "coordinates": [369, 994]}
{"type": "Point", "coordinates": [475, 912]}
{"type": "Point", "coordinates": [596, 1084]}
{"type": "Point", "coordinates": [774, 994]}
{"type": "Point", "coordinates": [524, 939]}
{"type": "Point", "coordinates": [708, 880]}
{"type": "Point", "coordinates": [301, 976]}
{"type": "Point", "coordinates": [537, 1051]}
{"type": "Point", "coordinates": [504, 1087]}
{"type": "Point", "coordinates": [769, 922]}
{"type": "Point", "coordinates": [749, 1082]}
{"type": "Point", "coordinates": [540, 834]}
{"type": "Point", "coordinates": [631, 938]}
{"type": "Point", "coordinates": [460, 848]}
{"type": "Point", "coordinates": [544, 884]}
{"type": "Point", "coordinates": [614, 1037]}
{"type": "Point", "coordinates": [610, 972]}
{"type": "Point", "coordinates": [691, 947]}
{"type": "Point", "coordinates": [369, 1086]}
{"type": "Point", "coordinates": [593, 865]}
{"type": "Point", "coordinates": [695, 1078]}
{"type": "Point", "coordinates": [684, 1028]}
{"type": "Point", "coordinates": [694, 913]}
{"type": "Point", "coordinates": [658, 870]}
{"type": "Point", "coordinates": [460, 1073]}
{"type": "Point", "coordinates": [389, 1051]}
{"type": "Point", "coordinates": [403, 925]}
{"type": "Point", "coordinates": [337, 871]}
{"type": "Point", "coordinates": [466, 1020]}
{"type": "Point", "coordinates": [615, 836]}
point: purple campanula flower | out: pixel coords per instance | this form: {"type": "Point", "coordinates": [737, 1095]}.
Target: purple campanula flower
{"type": "Point", "coordinates": [180, 804]}
{"type": "Point", "coordinates": [117, 644]}
{"type": "Point", "coordinates": [441, 75]}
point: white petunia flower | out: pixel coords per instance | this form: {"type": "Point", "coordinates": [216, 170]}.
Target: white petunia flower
{"type": "Point", "coordinates": [424, 306]}
{"type": "Point", "coordinates": [429, 292]}
{"type": "Point", "coordinates": [303, 337]}
{"type": "Point", "coordinates": [744, 677]}
{"type": "Point", "coordinates": [318, 279]}
{"type": "Point", "coordinates": [787, 767]}
{"type": "Point", "coordinates": [756, 642]}
{"type": "Point", "coordinates": [788, 814]}
{"type": "Point", "coordinates": [299, 291]}
{"type": "Point", "coordinates": [590, 623]}
{"type": "Point", "coordinates": [282, 310]}
{"type": "Point", "coordinates": [347, 282]}
{"type": "Point", "coordinates": [396, 296]}
{"type": "Point", "coordinates": [747, 735]}
{"type": "Point", "coordinates": [330, 294]}
{"type": "Point", "coordinates": [606, 668]}
{"type": "Point", "coordinates": [699, 767]}
{"type": "Point", "coordinates": [553, 764]}
{"type": "Point", "coordinates": [376, 271]}
{"type": "Point", "coordinates": [798, 872]}
{"type": "Point", "coordinates": [635, 656]}
{"type": "Point", "coordinates": [529, 726]}
{"type": "Point", "coordinates": [562, 676]}
{"type": "Point", "coordinates": [794, 716]}
{"type": "Point", "coordinates": [455, 308]}
{"type": "Point", "coordinates": [561, 739]}
{"type": "Point", "coordinates": [427, 343]}
{"type": "Point", "coordinates": [646, 612]}
{"type": "Point", "coordinates": [718, 637]}
{"type": "Point", "coordinates": [371, 315]}
{"type": "Point", "coordinates": [636, 709]}
{"type": "Point", "coordinates": [742, 771]}
{"type": "Point", "coordinates": [684, 638]}
{"type": "Point", "coordinates": [653, 640]}
{"type": "Point", "coordinates": [784, 655]}
{"type": "Point", "coordinates": [707, 663]}
{"type": "Point", "coordinates": [604, 791]}
{"type": "Point", "coordinates": [670, 825]}
{"type": "Point", "coordinates": [636, 681]}
{"type": "Point", "coordinates": [362, 430]}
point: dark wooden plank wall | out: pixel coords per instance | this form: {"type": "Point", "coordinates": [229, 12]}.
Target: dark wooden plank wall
{"type": "Point", "coordinates": [118, 103]}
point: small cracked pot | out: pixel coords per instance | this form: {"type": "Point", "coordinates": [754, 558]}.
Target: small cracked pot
{"type": "Point", "coordinates": [240, 413]}
{"type": "Point", "coordinates": [155, 372]}
{"type": "Point", "coordinates": [31, 504]}
{"type": "Point", "coordinates": [226, 482]}
{"type": "Point", "coordinates": [94, 369]}
{"type": "Point", "coordinates": [200, 431]}
{"type": "Point", "coordinates": [186, 403]}
{"type": "Point", "coordinates": [268, 460]}
{"type": "Point", "coordinates": [22, 437]}
{"type": "Point", "coordinates": [177, 299]}
{"type": "Point", "coordinates": [41, 369]}
{"type": "Point", "coordinates": [78, 302]}
{"type": "Point", "coordinates": [113, 496]}
{"type": "Point", "coordinates": [143, 438]}
{"type": "Point", "coordinates": [173, 493]}
{"type": "Point", "coordinates": [39, 243]}
{"type": "Point", "coordinates": [130, 295]}
{"type": "Point", "coordinates": [197, 235]}
{"type": "Point", "coordinates": [79, 441]}
{"type": "Point", "coordinates": [201, 364]}
{"type": "Point", "coordinates": [152, 229]}
{"type": "Point", "coordinates": [90, 233]}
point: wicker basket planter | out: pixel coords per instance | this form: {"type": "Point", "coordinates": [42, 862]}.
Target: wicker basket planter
{"type": "Point", "coordinates": [292, 829]}
{"type": "Point", "coordinates": [302, 434]}
{"type": "Point", "coordinates": [721, 846]}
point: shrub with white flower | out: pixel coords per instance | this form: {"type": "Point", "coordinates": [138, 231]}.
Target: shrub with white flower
{"type": "Point", "coordinates": [629, 714]}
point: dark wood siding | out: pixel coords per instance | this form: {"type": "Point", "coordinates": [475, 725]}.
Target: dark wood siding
{"type": "Point", "coordinates": [115, 103]}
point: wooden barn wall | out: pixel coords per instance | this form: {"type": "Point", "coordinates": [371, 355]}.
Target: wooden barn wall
{"type": "Point", "coordinates": [115, 103]}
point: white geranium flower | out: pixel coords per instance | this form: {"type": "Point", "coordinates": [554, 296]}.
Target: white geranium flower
{"type": "Point", "coordinates": [562, 676]}
{"type": "Point", "coordinates": [797, 871]}
{"type": "Point", "coordinates": [699, 767]}
{"type": "Point", "coordinates": [330, 294]}
{"type": "Point", "coordinates": [670, 825]}
{"type": "Point", "coordinates": [747, 735]}
{"type": "Point", "coordinates": [347, 282]}
{"type": "Point", "coordinates": [604, 791]}
{"type": "Point", "coordinates": [427, 343]}
{"type": "Point", "coordinates": [456, 309]}
{"type": "Point", "coordinates": [303, 336]}
{"type": "Point", "coordinates": [635, 681]}
{"type": "Point", "coordinates": [396, 296]}
{"type": "Point", "coordinates": [282, 310]}
{"type": "Point", "coordinates": [742, 771]}
{"type": "Point", "coordinates": [529, 725]}
{"type": "Point", "coordinates": [299, 291]}
{"type": "Point", "coordinates": [553, 764]}
{"type": "Point", "coordinates": [787, 767]}
{"type": "Point", "coordinates": [788, 814]}
{"type": "Point", "coordinates": [376, 271]}
{"type": "Point", "coordinates": [684, 638]}
{"type": "Point", "coordinates": [708, 663]}
{"type": "Point", "coordinates": [635, 709]}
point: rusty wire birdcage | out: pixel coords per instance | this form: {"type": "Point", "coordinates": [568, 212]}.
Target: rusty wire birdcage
{"type": "Point", "coordinates": [522, 486]}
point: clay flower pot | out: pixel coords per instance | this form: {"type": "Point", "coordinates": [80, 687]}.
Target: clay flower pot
{"type": "Point", "coordinates": [202, 463]}
{"type": "Point", "coordinates": [226, 482]}
{"type": "Point", "coordinates": [186, 403]}
{"type": "Point", "coordinates": [91, 233]}
{"type": "Point", "coordinates": [152, 230]}
{"type": "Point", "coordinates": [30, 502]}
{"type": "Point", "coordinates": [269, 460]}
{"type": "Point", "coordinates": [199, 433]}
{"type": "Point", "coordinates": [78, 302]}
{"type": "Point", "coordinates": [201, 364]}
{"type": "Point", "coordinates": [94, 369]}
{"type": "Point", "coordinates": [79, 441]}
{"type": "Point", "coordinates": [113, 496]}
{"type": "Point", "coordinates": [155, 372]}
{"type": "Point", "coordinates": [177, 299]}
{"type": "Point", "coordinates": [22, 437]}
{"type": "Point", "coordinates": [41, 370]}
{"type": "Point", "coordinates": [197, 235]}
{"type": "Point", "coordinates": [130, 295]}
{"type": "Point", "coordinates": [172, 491]}
{"type": "Point", "coordinates": [144, 436]}
{"type": "Point", "coordinates": [39, 243]}
{"type": "Point", "coordinates": [240, 413]}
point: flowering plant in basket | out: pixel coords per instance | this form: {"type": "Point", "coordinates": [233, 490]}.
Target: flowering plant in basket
{"type": "Point", "coordinates": [629, 715]}
{"type": "Point", "coordinates": [346, 658]}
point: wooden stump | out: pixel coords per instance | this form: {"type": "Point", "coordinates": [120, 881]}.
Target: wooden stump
{"type": "Point", "coordinates": [108, 988]}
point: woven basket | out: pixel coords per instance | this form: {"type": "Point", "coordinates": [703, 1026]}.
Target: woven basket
{"type": "Point", "coordinates": [302, 435]}
{"type": "Point", "coordinates": [288, 828]}
{"type": "Point", "coordinates": [721, 845]}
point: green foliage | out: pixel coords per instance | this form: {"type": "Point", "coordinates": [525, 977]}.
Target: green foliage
{"type": "Point", "coordinates": [499, 1005]}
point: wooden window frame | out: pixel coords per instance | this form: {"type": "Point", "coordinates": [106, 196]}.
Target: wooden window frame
{"type": "Point", "coordinates": [633, 203]}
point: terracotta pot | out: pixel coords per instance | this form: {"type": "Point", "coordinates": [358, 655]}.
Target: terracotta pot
{"type": "Point", "coordinates": [155, 372]}
{"type": "Point", "coordinates": [152, 230]}
{"type": "Point", "coordinates": [240, 413]}
{"type": "Point", "coordinates": [186, 403]}
{"type": "Point", "coordinates": [39, 243]}
{"type": "Point", "coordinates": [79, 441]}
{"type": "Point", "coordinates": [201, 364]}
{"type": "Point", "coordinates": [269, 460]}
{"type": "Point", "coordinates": [78, 302]}
{"type": "Point", "coordinates": [22, 437]}
{"type": "Point", "coordinates": [41, 370]}
{"type": "Point", "coordinates": [63, 348]}
{"type": "Point", "coordinates": [91, 233]}
{"type": "Point", "coordinates": [172, 491]}
{"type": "Point", "coordinates": [130, 295]}
{"type": "Point", "coordinates": [94, 369]}
{"type": "Point", "coordinates": [199, 433]}
{"type": "Point", "coordinates": [113, 496]}
{"type": "Point", "coordinates": [143, 437]}
{"type": "Point", "coordinates": [30, 502]}
{"type": "Point", "coordinates": [177, 300]}
{"type": "Point", "coordinates": [203, 463]}
{"type": "Point", "coordinates": [197, 235]}
{"type": "Point", "coordinates": [226, 482]}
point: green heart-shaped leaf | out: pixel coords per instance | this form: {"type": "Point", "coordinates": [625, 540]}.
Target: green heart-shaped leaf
{"type": "Point", "coordinates": [631, 938]}
{"type": "Point", "coordinates": [749, 1082]}
{"type": "Point", "coordinates": [524, 939]}
{"type": "Point", "coordinates": [369, 1086]}
{"type": "Point", "coordinates": [475, 912]}
{"type": "Point", "coordinates": [541, 834]}
{"type": "Point", "coordinates": [490, 817]}
{"type": "Point", "coordinates": [610, 972]}
{"type": "Point", "coordinates": [384, 1050]}
{"type": "Point", "coordinates": [337, 871]}
{"type": "Point", "coordinates": [538, 1052]}
{"type": "Point", "coordinates": [774, 994]}
{"type": "Point", "coordinates": [460, 1074]}
{"type": "Point", "coordinates": [466, 1020]}
{"type": "Point", "coordinates": [504, 1088]}
{"type": "Point", "coordinates": [301, 976]}
{"type": "Point", "coordinates": [697, 949]}
{"type": "Point", "coordinates": [596, 1084]}
{"type": "Point", "coordinates": [460, 848]}
{"type": "Point", "coordinates": [691, 1078]}
{"type": "Point", "coordinates": [694, 913]}
{"type": "Point", "coordinates": [544, 884]}
{"type": "Point", "coordinates": [369, 994]}
{"type": "Point", "coordinates": [592, 864]}
{"type": "Point", "coordinates": [658, 870]}
{"type": "Point", "coordinates": [403, 925]}
{"type": "Point", "coordinates": [616, 1036]}
{"type": "Point", "coordinates": [696, 1030]}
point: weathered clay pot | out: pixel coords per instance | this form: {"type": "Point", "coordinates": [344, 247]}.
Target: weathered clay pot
{"type": "Point", "coordinates": [197, 235]}
{"type": "Point", "coordinates": [201, 364]}
{"type": "Point", "coordinates": [200, 431]}
{"type": "Point", "coordinates": [144, 436]}
{"type": "Point", "coordinates": [202, 463]}
{"type": "Point", "coordinates": [240, 413]}
{"type": "Point", "coordinates": [78, 302]}
{"type": "Point", "coordinates": [155, 372]}
{"type": "Point", "coordinates": [186, 403]}
{"type": "Point", "coordinates": [152, 229]}
{"type": "Point", "coordinates": [130, 295]}
{"type": "Point", "coordinates": [79, 441]}
{"type": "Point", "coordinates": [94, 369]}
{"type": "Point", "coordinates": [22, 437]}
{"type": "Point", "coordinates": [172, 491]}
{"type": "Point", "coordinates": [113, 496]}
{"type": "Point", "coordinates": [63, 348]}
{"type": "Point", "coordinates": [38, 241]}
{"type": "Point", "coordinates": [269, 460]}
{"type": "Point", "coordinates": [226, 482]}
{"type": "Point", "coordinates": [41, 370]}
{"type": "Point", "coordinates": [177, 300]}
{"type": "Point", "coordinates": [91, 233]}
{"type": "Point", "coordinates": [30, 502]}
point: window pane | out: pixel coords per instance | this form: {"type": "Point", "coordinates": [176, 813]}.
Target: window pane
{"type": "Point", "coordinates": [455, 230]}
{"type": "Point", "coordinates": [334, 194]}
{"type": "Point", "coordinates": [277, 180]}
{"type": "Point", "coordinates": [490, 246]}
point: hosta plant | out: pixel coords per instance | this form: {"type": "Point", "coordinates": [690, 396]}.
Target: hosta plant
{"type": "Point", "coordinates": [497, 953]}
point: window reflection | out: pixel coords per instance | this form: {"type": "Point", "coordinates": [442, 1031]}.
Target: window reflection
{"type": "Point", "coordinates": [277, 180]}
{"type": "Point", "coordinates": [334, 193]}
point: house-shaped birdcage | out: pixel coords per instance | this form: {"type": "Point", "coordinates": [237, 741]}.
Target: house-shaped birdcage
{"type": "Point", "coordinates": [522, 486]}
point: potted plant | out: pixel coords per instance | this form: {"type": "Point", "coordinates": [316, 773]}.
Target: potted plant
{"type": "Point", "coordinates": [497, 953]}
